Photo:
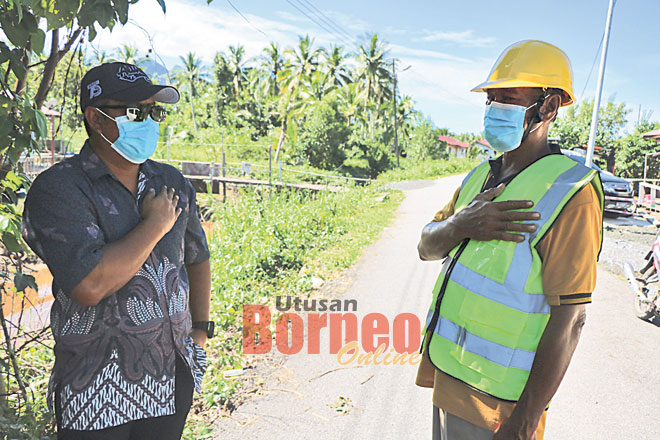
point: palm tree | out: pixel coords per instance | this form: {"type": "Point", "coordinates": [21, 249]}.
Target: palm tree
{"type": "Point", "coordinates": [272, 63]}
{"type": "Point", "coordinates": [236, 63]}
{"type": "Point", "coordinates": [129, 54]}
{"type": "Point", "coordinates": [375, 77]}
{"type": "Point", "coordinates": [303, 62]}
{"type": "Point", "coordinates": [191, 73]}
{"type": "Point", "coordinates": [336, 70]}
{"type": "Point", "coordinates": [374, 70]}
{"type": "Point", "coordinates": [350, 98]}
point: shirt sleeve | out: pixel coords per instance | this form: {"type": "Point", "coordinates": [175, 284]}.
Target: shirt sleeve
{"type": "Point", "coordinates": [570, 250]}
{"type": "Point", "coordinates": [60, 225]}
{"type": "Point", "coordinates": [196, 248]}
{"type": "Point", "coordinates": [448, 210]}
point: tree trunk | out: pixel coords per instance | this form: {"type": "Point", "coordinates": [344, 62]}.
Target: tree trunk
{"type": "Point", "coordinates": [192, 108]}
{"type": "Point", "coordinates": [49, 69]}
{"type": "Point", "coordinates": [280, 142]}
{"type": "Point", "coordinates": [51, 64]}
{"type": "Point", "coordinates": [25, 60]}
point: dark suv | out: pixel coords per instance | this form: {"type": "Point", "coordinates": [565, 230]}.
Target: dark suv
{"type": "Point", "coordinates": [619, 197]}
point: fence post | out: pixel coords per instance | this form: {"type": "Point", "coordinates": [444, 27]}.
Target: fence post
{"type": "Point", "coordinates": [224, 170]}
{"type": "Point", "coordinates": [169, 136]}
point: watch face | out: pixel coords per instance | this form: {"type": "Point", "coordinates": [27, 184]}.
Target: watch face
{"type": "Point", "coordinates": [210, 330]}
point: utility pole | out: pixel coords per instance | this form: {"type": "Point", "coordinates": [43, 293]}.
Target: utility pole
{"type": "Point", "coordinates": [396, 125]}
{"type": "Point", "coordinates": [599, 88]}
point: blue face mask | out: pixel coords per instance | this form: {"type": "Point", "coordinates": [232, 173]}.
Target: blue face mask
{"type": "Point", "coordinates": [503, 125]}
{"type": "Point", "coordinates": [137, 141]}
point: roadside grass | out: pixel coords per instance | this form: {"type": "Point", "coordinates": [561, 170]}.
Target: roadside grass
{"type": "Point", "coordinates": [264, 244]}
{"type": "Point", "coordinates": [427, 169]}
{"type": "Point", "coordinates": [268, 245]}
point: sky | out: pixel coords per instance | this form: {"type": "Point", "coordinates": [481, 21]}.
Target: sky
{"type": "Point", "coordinates": [450, 46]}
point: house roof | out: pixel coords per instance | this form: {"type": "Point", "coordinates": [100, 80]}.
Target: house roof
{"type": "Point", "coordinates": [455, 142]}
{"type": "Point", "coordinates": [484, 142]}
{"type": "Point", "coordinates": [654, 134]}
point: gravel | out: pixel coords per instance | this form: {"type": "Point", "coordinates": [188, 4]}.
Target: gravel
{"type": "Point", "coordinates": [626, 239]}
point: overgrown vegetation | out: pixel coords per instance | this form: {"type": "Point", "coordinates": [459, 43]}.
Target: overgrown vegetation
{"type": "Point", "coordinates": [263, 244]}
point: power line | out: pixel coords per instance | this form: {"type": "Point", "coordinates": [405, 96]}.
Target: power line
{"type": "Point", "coordinates": [322, 26]}
{"type": "Point", "coordinates": [245, 18]}
{"type": "Point", "coordinates": [328, 20]}
{"type": "Point", "coordinates": [593, 64]}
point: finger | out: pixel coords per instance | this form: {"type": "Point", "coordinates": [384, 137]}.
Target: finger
{"type": "Point", "coordinates": [516, 227]}
{"type": "Point", "coordinates": [177, 213]}
{"type": "Point", "coordinates": [163, 191]}
{"type": "Point", "coordinates": [504, 236]}
{"type": "Point", "coordinates": [151, 193]}
{"type": "Point", "coordinates": [519, 216]}
{"type": "Point", "coordinates": [491, 193]}
{"type": "Point", "coordinates": [513, 204]}
{"type": "Point", "coordinates": [175, 200]}
{"type": "Point", "coordinates": [170, 193]}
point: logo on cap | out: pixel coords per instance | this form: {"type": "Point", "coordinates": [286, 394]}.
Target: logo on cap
{"type": "Point", "coordinates": [94, 89]}
{"type": "Point", "coordinates": [131, 74]}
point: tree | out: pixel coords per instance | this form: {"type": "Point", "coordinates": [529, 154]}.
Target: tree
{"type": "Point", "coordinates": [129, 54]}
{"type": "Point", "coordinates": [573, 128]}
{"type": "Point", "coordinates": [632, 150]}
{"type": "Point", "coordinates": [236, 66]}
{"type": "Point", "coordinates": [376, 80]}
{"type": "Point", "coordinates": [336, 70]}
{"type": "Point", "coordinates": [190, 75]}
{"type": "Point", "coordinates": [424, 143]}
{"type": "Point", "coordinates": [272, 63]}
{"type": "Point", "coordinates": [324, 136]}
{"type": "Point", "coordinates": [303, 62]}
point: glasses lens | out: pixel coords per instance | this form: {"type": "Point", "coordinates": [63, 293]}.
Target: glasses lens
{"type": "Point", "coordinates": [133, 114]}
{"type": "Point", "coordinates": [158, 113]}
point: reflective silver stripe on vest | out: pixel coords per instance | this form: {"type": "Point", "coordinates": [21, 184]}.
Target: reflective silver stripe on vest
{"type": "Point", "coordinates": [511, 293]}
{"type": "Point", "coordinates": [522, 256]}
{"type": "Point", "coordinates": [494, 352]}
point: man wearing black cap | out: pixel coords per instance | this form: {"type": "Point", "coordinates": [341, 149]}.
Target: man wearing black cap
{"type": "Point", "coordinates": [130, 263]}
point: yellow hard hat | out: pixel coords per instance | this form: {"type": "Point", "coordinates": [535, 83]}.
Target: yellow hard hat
{"type": "Point", "coordinates": [531, 63]}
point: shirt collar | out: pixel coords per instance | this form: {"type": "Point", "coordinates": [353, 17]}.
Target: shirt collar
{"type": "Point", "coordinates": [95, 168]}
{"type": "Point", "coordinates": [496, 164]}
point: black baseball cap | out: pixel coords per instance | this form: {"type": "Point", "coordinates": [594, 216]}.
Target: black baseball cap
{"type": "Point", "coordinates": [122, 82]}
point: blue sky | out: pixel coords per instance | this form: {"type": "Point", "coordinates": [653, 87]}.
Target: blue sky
{"type": "Point", "coordinates": [450, 45]}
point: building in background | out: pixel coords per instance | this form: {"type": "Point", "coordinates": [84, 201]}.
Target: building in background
{"type": "Point", "coordinates": [455, 147]}
{"type": "Point", "coordinates": [487, 151]}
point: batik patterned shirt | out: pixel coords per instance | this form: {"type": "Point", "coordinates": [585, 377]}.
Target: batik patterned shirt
{"type": "Point", "coordinates": [115, 361]}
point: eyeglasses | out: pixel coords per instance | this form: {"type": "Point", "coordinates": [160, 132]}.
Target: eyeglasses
{"type": "Point", "coordinates": [139, 113]}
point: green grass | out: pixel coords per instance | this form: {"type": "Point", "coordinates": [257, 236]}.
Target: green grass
{"type": "Point", "coordinates": [265, 244]}
{"type": "Point", "coordinates": [264, 247]}
{"type": "Point", "coordinates": [427, 169]}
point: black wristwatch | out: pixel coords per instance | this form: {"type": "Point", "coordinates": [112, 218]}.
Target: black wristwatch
{"type": "Point", "coordinates": [207, 326]}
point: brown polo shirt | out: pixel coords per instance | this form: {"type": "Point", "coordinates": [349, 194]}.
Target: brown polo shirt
{"type": "Point", "coordinates": [569, 252]}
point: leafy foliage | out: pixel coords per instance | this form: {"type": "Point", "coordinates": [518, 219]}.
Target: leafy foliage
{"type": "Point", "coordinates": [632, 150]}
{"type": "Point", "coordinates": [573, 128]}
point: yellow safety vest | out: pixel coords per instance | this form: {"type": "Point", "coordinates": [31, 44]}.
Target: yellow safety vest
{"type": "Point", "coordinates": [489, 311]}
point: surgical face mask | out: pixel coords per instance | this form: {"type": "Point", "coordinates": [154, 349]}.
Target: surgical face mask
{"type": "Point", "coordinates": [504, 125]}
{"type": "Point", "coordinates": [137, 141]}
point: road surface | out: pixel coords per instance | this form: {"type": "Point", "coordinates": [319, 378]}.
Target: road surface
{"type": "Point", "coordinates": [609, 392]}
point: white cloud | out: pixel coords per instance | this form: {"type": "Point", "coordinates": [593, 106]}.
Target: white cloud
{"type": "Point", "coordinates": [203, 30]}
{"type": "Point", "coordinates": [439, 82]}
{"type": "Point", "coordinates": [464, 38]}
{"type": "Point", "coordinates": [403, 51]}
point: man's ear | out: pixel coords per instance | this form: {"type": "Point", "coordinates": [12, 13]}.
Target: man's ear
{"type": "Point", "coordinates": [550, 107]}
{"type": "Point", "coordinates": [93, 118]}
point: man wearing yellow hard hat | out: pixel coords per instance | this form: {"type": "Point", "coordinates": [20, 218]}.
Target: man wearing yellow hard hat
{"type": "Point", "coordinates": [520, 240]}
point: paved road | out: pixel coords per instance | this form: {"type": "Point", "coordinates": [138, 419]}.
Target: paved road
{"type": "Point", "coordinates": [610, 391]}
